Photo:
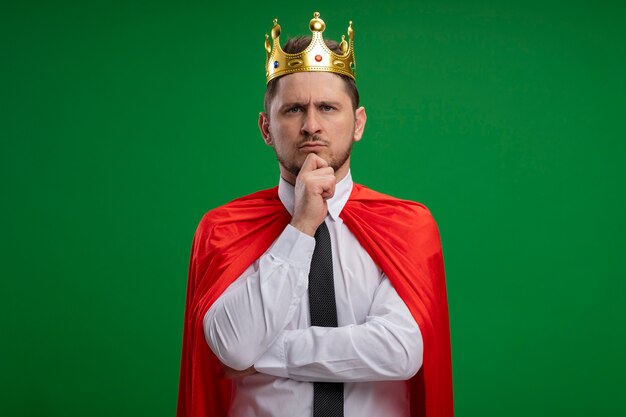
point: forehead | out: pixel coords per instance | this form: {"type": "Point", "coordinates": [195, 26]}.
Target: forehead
{"type": "Point", "coordinates": [316, 86]}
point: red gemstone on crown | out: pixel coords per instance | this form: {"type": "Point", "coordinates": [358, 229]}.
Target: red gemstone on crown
{"type": "Point", "coordinates": [318, 58]}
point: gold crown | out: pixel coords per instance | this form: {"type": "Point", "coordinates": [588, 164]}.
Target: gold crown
{"type": "Point", "coordinates": [316, 56]}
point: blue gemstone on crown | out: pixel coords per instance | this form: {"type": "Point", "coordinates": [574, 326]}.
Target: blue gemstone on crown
{"type": "Point", "coordinates": [275, 64]}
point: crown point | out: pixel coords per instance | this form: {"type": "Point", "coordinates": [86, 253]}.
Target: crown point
{"type": "Point", "coordinates": [275, 29]}
{"type": "Point", "coordinates": [317, 24]}
{"type": "Point", "coordinates": [268, 48]}
{"type": "Point", "coordinates": [343, 45]}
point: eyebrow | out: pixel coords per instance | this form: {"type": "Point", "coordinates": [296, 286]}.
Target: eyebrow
{"type": "Point", "coordinates": [329, 103]}
{"type": "Point", "coordinates": [306, 103]}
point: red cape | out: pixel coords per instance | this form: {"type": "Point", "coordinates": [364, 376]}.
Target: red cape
{"type": "Point", "coordinates": [400, 236]}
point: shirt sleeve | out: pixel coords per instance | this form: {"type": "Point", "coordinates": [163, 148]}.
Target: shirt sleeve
{"type": "Point", "coordinates": [387, 346]}
{"type": "Point", "coordinates": [245, 320]}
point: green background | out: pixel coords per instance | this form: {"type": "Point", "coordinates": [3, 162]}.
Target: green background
{"type": "Point", "coordinates": [122, 122]}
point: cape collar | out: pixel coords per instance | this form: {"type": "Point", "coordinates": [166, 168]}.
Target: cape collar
{"type": "Point", "coordinates": [343, 189]}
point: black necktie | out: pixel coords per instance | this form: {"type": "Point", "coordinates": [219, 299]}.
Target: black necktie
{"type": "Point", "coordinates": [327, 396]}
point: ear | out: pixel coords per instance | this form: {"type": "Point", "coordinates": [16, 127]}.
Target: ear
{"type": "Point", "coordinates": [359, 123]}
{"type": "Point", "coordinates": [264, 127]}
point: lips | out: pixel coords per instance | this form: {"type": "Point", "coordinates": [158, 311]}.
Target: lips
{"type": "Point", "coordinates": [313, 145]}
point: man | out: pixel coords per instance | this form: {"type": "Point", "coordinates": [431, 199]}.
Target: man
{"type": "Point", "coordinates": [319, 297]}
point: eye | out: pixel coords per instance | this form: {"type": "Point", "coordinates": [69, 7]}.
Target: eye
{"type": "Point", "coordinates": [294, 109]}
{"type": "Point", "coordinates": [327, 108]}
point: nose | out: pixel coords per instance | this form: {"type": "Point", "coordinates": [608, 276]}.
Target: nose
{"type": "Point", "coordinates": [310, 124]}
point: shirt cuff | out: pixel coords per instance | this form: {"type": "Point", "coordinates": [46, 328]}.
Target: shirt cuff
{"type": "Point", "coordinates": [294, 247]}
{"type": "Point", "coordinates": [273, 362]}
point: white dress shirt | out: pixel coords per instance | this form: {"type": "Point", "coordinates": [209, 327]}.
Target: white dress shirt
{"type": "Point", "coordinates": [262, 320]}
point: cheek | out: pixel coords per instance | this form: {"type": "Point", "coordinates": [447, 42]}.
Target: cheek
{"type": "Point", "coordinates": [346, 130]}
{"type": "Point", "coordinates": [283, 147]}
{"type": "Point", "coordinates": [286, 131]}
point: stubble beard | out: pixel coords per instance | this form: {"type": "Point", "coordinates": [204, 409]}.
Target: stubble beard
{"type": "Point", "coordinates": [336, 161]}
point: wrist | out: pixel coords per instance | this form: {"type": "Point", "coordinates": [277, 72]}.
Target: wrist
{"type": "Point", "coordinates": [304, 227]}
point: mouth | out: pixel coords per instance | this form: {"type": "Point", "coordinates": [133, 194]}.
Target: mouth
{"type": "Point", "coordinates": [312, 146]}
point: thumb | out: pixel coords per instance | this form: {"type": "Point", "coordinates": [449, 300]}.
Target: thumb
{"type": "Point", "coordinates": [313, 162]}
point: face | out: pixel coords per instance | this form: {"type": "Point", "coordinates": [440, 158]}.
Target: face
{"type": "Point", "coordinates": [312, 113]}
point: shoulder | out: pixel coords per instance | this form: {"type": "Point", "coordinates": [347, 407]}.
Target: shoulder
{"type": "Point", "coordinates": [403, 223]}
{"type": "Point", "coordinates": [241, 210]}
{"type": "Point", "coordinates": [367, 199]}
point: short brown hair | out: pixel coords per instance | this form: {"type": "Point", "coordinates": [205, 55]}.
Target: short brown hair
{"type": "Point", "coordinates": [299, 44]}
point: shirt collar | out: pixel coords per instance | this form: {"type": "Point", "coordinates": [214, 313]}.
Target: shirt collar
{"type": "Point", "coordinates": [286, 193]}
